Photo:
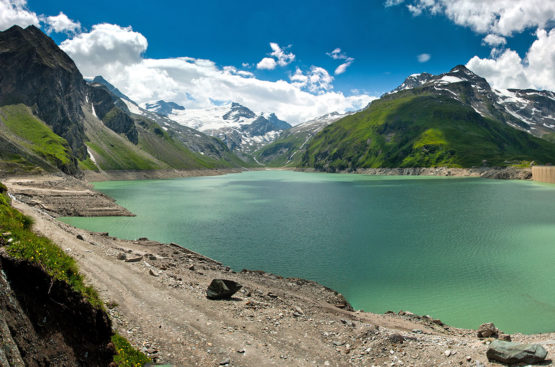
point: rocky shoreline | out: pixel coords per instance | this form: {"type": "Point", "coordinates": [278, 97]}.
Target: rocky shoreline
{"type": "Point", "coordinates": [156, 297]}
{"type": "Point", "coordinates": [501, 173]}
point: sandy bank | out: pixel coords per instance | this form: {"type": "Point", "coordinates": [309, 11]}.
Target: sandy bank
{"type": "Point", "coordinates": [93, 176]}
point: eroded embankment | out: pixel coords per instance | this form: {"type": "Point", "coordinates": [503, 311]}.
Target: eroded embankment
{"type": "Point", "coordinates": [43, 322]}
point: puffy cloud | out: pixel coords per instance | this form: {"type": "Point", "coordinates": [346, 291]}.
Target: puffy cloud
{"type": "Point", "coordinates": [15, 12]}
{"type": "Point", "coordinates": [266, 63]}
{"type": "Point", "coordinates": [336, 54]}
{"type": "Point", "coordinates": [279, 57]}
{"type": "Point", "coordinates": [494, 40]}
{"type": "Point", "coordinates": [116, 53]}
{"type": "Point", "coordinates": [61, 23]}
{"type": "Point", "coordinates": [105, 46]}
{"type": "Point", "coordinates": [423, 57]}
{"type": "Point", "coordinates": [501, 17]}
{"type": "Point", "coordinates": [509, 70]}
{"type": "Point", "coordinates": [283, 58]}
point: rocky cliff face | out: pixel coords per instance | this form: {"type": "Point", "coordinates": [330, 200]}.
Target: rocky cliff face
{"type": "Point", "coordinates": [35, 72]}
{"type": "Point", "coordinates": [45, 323]}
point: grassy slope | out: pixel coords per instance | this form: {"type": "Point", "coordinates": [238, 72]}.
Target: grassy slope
{"type": "Point", "coordinates": [421, 131]}
{"type": "Point", "coordinates": [282, 151]}
{"type": "Point", "coordinates": [31, 134]}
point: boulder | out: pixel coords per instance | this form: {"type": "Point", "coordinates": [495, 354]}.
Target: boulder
{"type": "Point", "coordinates": [222, 289]}
{"type": "Point", "coordinates": [512, 353]}
{"type": "Point", "coordinates": [488, 330]}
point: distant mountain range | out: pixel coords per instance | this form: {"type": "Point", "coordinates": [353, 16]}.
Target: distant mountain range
{"type": "Point", "coordinates": [237, 126]}
{"type": "Point", "coordinates": [52, 119]}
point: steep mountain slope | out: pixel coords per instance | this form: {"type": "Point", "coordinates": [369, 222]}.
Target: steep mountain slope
{"type": "Point", "coordinates": [288, 148]}
{"type": "Point", "coordinates": [529, 110]}
{"type": "Point", "coordinates": [451, 120]}
{"type": "Point", "coordinates": [50, 118]}
{"type": "Point", "coordinates": [237, 126]}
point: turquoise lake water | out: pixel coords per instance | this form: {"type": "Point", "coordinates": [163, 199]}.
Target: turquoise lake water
{"type": "Point", "coordinates": [463, 250]}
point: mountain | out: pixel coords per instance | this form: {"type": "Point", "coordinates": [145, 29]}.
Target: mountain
{"type": "Point", "coordinates": [237, 126]}
{"type": "Point", "coordinates": [51, 119]}
{"type": "Point", "coordinates": [288, 148]}
{"type": "Point", "coordinates": [453, 119]}
{"type": "Point", "coordinates": [163, 108]}
{"type": "Point", "coordinates": [527, 109]}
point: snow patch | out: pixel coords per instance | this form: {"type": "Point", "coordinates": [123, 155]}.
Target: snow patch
{"type": "Point", "coordinates": [93, 111]}
{"type": "Point", "coordinates": [133, 108]}
{"type": "Point", "coordinates": [448, 79]}
{"type": "Point", "coordinates": [91, 156]}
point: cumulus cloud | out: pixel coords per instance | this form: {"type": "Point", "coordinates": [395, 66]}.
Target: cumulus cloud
{"type": "Point", "coordinates": [494, 40]}
{"type": "Point", "coordinates": [266, 63]}
{"type": "Point", "coordinates": [116, 53]}
{"type": "Point", "coordinates": [423, 57]}
{"type": "Point", "coordinates": [61, 23]}
{"type": "Point", "coordinates": [279, 57]}
{"type": "Point", "coordinates": [105, 46]}
{"type": "Point", "coordinates": [509, 70]}
{"type": "Point", "coordinates": [336, 54]}
{"type": "Point", "coordinates": [501, 17]}
{"type": "Point", "coordinates": [15, 12]}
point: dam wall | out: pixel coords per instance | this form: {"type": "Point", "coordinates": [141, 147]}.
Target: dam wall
{"type": "Point", "coordinates": [543, 174]}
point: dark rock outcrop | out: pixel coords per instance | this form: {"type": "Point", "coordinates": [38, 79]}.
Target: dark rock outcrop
{"type": "Point", "coordinates": [43, 322]}
{"type": "Point", "coordinates": [36, 72]}
{"type": "Point", "coordinates": [222, 289]}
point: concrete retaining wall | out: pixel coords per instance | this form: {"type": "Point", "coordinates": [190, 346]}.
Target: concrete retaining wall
{"type": "Point", "coordinates": [543, 174]}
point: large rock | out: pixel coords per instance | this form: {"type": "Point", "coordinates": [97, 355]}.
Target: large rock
{"type": "Point", "coordinates": [512, 353]}
{"type": "Point", "coordinates": [222, 289]}
{"type": "Point", "coordinates": [488, 330]}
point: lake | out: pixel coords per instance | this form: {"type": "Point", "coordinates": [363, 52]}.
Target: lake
{"type": "Point", "coordinates": [464, 250]}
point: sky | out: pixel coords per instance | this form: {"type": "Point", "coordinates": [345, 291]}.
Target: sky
{"type": "Point", "coordinates": [298, 59]}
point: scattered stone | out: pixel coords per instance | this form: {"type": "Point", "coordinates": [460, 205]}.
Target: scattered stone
{"type": "Point", "coordinates": [396, 338]}
{"type": "Point", "coordinates": [104, 234]}
{"type": "Point", "coordinates": [241, 351]}
{"type": "Point", "coordinates": [512, 353]}
{"type": "Point", "coordinates": [468, 358]}
{"type": "Point", "coordinates": [153, 273]}
{"type": "Point", "coordinates": [348, 323]}
{"type": "Point", "coordinates": [225, 362]}
{"type": "Point", "coordinates": [142, 239]}
{"type": "Point", "coordinates": [505, 337]}
{"type": "Point", "coordinates": [122, 256]}
{"type": "Point", "coordinates": [447, 353]}
{"type": "Point", "coordinates": [222, 289]}
{"type": "Point", "coordinates": [79, 237]}
{"type": "Point", "coordinates": [271, 295]}
{"type": "Point", "coordinates": [488, 330]}
{"type": "Point", "coordinates": [299, 310]}
{"type": "Point", "coordinates": [134, 259]}
{"type": "Point", "coordinates": [417, 331]}
{"type": "Point", "coordinates": [192, 267]}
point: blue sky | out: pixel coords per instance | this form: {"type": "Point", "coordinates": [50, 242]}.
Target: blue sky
{"type": "Point", "coordinates": [380, 41]}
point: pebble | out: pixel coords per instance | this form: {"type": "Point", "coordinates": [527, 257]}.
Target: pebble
{"type": "Point", "coordinates": [225, 362]}
{"type": "Point", "coordinates": [447, 353]}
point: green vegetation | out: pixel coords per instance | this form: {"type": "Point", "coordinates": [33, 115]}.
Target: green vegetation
{"type": "Point", "coordinates": [36, 136]}
{"type": "Point", "coordinates": [409, 130]}
{"type": "Point", "coordinates": [284, 151]}
{"type": "Point", "coordinates": [88, 164]}
{"type": "Point", "coordinates": [22, 243]}
{"type": "Point", "coordinates": [126, 355]}
{"type": "Point", "coordinates": [549, 137]}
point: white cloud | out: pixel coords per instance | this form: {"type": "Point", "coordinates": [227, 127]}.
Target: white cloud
{"type": "Point", "coordinates": [116, 53]}
{"type": "Point", "coordinates": [266, 63]}
{"type": "Point", "coordinates": [279, 57]}
{"type": "Point", "coordinates": [106, 46]}
{"type": "Point", "coordinates": [336, 54]}
{"type": "Point", "coordinates": [509, 70]}
{"type": "Point", "coordinates": [283, 58]}
{"type": "Point", "coordinates": [14, 12]}
{"type": "Point", "coordinates": [61, 23]}
{"type": "Point", "coordinates": [501, 17]}
{"type": "Point", "coordinates": [494, 40]}
{"type": "Point", "coordinates": [423, 57]}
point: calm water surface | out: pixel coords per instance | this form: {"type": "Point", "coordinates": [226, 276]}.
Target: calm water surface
{"type": "Point", "coordinates": [463, 250]}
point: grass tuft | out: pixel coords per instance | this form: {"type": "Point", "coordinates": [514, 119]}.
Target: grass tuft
{"type": "Point", "coordinates": [126, 355]}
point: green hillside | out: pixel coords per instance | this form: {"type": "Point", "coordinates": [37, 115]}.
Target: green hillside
{"type": "Point", "coordinates": [408, 130]}
{"type": "Point", "coordinates": [32, 142]}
